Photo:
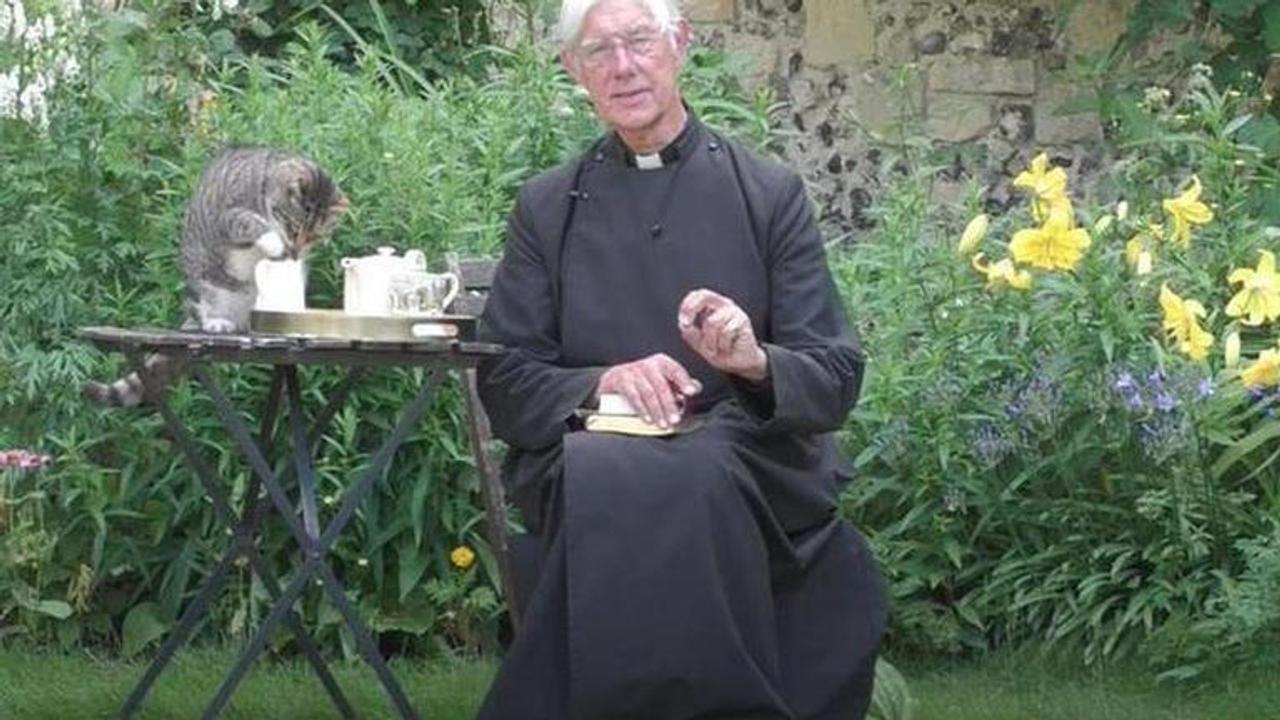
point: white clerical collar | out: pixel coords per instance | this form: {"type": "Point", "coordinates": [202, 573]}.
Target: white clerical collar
{"type": "Point", "coordinates": [649, 162]}
{"type": "Point", "coordinates": [668, 155]}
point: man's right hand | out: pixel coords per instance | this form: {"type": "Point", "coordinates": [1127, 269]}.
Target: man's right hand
{"type": "Point", "coordinates": [656, 386]}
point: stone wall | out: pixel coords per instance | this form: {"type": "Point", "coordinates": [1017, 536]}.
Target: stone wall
{"type": "Point", "coordinates": [985, 77]}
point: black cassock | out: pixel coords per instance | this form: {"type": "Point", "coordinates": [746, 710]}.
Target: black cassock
{"type": "Point", "coordinates": [704, 575]}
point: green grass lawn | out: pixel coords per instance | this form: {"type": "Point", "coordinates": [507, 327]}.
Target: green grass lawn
{"type": "Point", "coordinates": [39, 685]}
{"type": "Point", "coordinates": [1022, 686]}
{"type": "Point", "coordinates": [36, 684]}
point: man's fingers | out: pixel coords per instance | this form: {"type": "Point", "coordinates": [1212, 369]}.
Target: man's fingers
{"type": "Point", "coordinates": [717, 328]}
{"type": "Point", "coordinates": [695, 304]}
{"type": "Point", "coordinates": [734, 328]}
{"type": "Point", "coordinates": [678, 377]}
{"type": "Point", "coordinates": [663, 407]}
{"type": "Point", "coordinates": [641, 396]}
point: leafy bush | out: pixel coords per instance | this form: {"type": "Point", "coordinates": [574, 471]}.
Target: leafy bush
{"type": "Point", "coordinates": [116, 528]}
{"type": "Point", "coordinates": [1048, 463]}
{"type": "Point", "coordinates": [1239, 38]}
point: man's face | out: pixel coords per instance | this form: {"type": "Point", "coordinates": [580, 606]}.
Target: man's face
{"type": "Point", "coordinates": [628, 65]}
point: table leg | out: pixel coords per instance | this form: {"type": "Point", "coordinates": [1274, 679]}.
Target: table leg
{"type": "Point", "coordinates": [301, 453]}
{"type": "Point", "coordinates": [242, 544]}
{"type": "Point", "coordinates": [315, 549]}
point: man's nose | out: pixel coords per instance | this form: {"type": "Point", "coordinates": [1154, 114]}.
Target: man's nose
{"type": "Point", "coordinates": [620, 58]}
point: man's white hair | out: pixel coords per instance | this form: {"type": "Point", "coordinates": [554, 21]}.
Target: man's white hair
{"type": "Point", "coordinates": [666, 13]}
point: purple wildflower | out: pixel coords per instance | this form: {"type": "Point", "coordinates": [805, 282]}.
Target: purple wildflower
{"type": "Point", "coordinates": [990, 446]}
{"type": "Point", "coordinates": [1129, 391]}
{"type": "Point", "coordinates": [1125, 383]}
{"type": "Point", "coordinates": [1165, 402]}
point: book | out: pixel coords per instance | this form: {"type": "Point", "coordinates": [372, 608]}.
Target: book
{"type": "Point", "coordinates": [615, 415]}
{"type": "Point", "coordinates": [634, 425]}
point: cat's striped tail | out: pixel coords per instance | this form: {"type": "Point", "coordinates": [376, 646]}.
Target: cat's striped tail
{"type": "Point", "coordinates": [129, 391]}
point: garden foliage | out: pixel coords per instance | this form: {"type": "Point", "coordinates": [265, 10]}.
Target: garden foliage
{"type": "Point", "coordinates": [106, 543]}
{"type": "Point", "coordinates": [1053, 444]}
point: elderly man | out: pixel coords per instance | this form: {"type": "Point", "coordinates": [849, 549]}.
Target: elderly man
{"type": "Point", "coordinates": [704, 574]}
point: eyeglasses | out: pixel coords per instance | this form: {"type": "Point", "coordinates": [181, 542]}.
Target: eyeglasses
{"type": "Point", "coordinates": [597, 53]}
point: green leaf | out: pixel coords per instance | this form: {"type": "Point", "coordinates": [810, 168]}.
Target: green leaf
{"type": "Point", "coordinates": [53, 608]}
{"type": "Point", "coordinates": [1271, 26]}
{"type": "Point", "coordinates": [1242, 449]}
{"type": "Point", "coordinates": [1149, 16]}
{"type": "Point", "coordinates": [413, 563]}
{"type": "Point", "coordinates": [142, 626]}
{"type": "Point", "coordinates": [1234, 8]}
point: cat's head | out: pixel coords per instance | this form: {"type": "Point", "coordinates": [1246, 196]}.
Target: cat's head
{"type": "Point", "coordinates": [310, 206]}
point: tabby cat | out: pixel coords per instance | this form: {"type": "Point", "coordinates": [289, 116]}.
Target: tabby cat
{"type": "Point", "coordinates": [249, 204]}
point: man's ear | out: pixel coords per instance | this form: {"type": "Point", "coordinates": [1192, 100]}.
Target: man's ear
{"type": "Point", "coordinates": [570, 63]}
{"type": "Point", "coordinates": [682, 36]}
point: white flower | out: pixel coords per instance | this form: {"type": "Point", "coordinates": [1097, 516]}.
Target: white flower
{"type": "Point", "coordinates": [1156, 97]}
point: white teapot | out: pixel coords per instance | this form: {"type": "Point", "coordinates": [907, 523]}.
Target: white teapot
{"type": "Point", "coordinates": [366, 281]}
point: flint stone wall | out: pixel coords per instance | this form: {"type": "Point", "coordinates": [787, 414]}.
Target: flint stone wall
{"type": "Point", "coordinates": [987, 77]}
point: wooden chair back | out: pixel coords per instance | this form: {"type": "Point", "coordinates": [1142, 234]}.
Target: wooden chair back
{"type": "Point", "coordinates": [476, 276]}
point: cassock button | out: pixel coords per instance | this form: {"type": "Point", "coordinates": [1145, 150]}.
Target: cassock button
{"type": "Point", "coordinates": [713, 146]}
{"type": "Point", "coordinates": [655, 230]}
{"type": "Point", "coordinates": [584, 195]}
{"type": "Point", "coordinates": [599, 157]}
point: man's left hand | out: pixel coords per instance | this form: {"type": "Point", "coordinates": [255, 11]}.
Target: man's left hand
{"type": "Point", "coordinates": [720, 331]}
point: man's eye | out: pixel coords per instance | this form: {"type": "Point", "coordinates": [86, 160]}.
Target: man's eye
{"type": "Point", "coordinates": [642, 44]}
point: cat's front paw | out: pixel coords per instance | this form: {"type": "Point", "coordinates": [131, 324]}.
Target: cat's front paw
{"type": "Point", "coordinates": [220, 326]}
{"type": "Point", "coordinates": [271, 245]}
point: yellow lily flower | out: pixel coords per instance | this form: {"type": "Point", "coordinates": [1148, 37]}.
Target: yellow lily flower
{"type": "Point", "coordinates": [1187, 210]}
{"type": "Point", "coordinates": [1048, 186]}
{"type": "Point", "coordinates": [1044, 207]}
{"type": "Point", "coordinates": [1182, 325]}
{"type": "Point", "coordinates": [1231, 349]}
{"type": "Point", "coordinates": [1056, 246]}
{"type": "Point", "coordinates": [1264, 372]}
{"type": "Point", "coordinates": [1259, 295]}
{"type": "Point", "coordinates": [1002, 273]}
{"type": "Point", "coordinates": [973, 234]}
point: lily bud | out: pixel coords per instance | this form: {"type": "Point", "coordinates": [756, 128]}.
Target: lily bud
{"type": "Point", "coordinates": [1231, 349]}
{"type": "Point", "coordinates": [1144, 263]}
{"type": "Point", "coordinates": [973, 234]}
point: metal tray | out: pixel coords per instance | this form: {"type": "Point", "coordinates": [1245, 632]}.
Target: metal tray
{"type": "Point", "coordinates": [385, 328]}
